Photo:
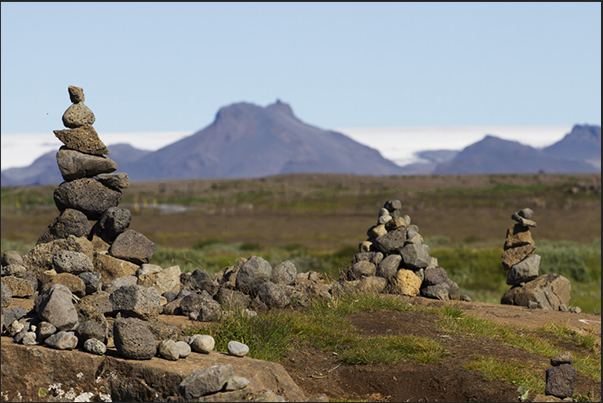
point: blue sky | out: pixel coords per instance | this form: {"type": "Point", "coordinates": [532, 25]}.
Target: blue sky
{"type": "Point", "coordinates": [170, 66]}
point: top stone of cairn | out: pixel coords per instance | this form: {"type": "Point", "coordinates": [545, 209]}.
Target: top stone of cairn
{"type": "Point", "coordinates": [76, 94]}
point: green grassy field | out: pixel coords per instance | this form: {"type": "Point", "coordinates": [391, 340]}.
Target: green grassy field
{"type": "Point", "coordinates": [317, 222]}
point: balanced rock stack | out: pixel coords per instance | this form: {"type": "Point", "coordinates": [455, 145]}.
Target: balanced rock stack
{"type": "Point", "coordinates": [394, 259]}
{"type": "Point", "coordinates": [551, 291]}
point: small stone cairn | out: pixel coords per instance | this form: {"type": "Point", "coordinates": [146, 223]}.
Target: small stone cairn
{"type": "Point", "coordinates": [550, 291]}
{"type": "Point", "coordinates": [394, 259]}
{"type": "Point", "coordinates": [561, 376]}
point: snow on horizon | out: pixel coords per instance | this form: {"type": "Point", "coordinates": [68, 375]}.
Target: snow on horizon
{"type": "Point", "coordinates": [398, 144]}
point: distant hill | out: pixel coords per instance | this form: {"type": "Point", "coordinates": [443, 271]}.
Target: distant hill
{"type": "Point", "coordinates": [246, 140]}
{"type": "Point", "coordinates": [45, 171]}
{"type": "Point", "coordinates": [582, 143]}
{"type": "Point", "coordinates": [493, 155]}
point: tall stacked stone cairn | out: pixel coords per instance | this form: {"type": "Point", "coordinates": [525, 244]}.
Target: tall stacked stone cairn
{"type": "Point", "coordinates": [550, 291]}
{"type": "Point", "coordinates": [94, 287]}
{"type": "Point", "coordinates": [395, 260]}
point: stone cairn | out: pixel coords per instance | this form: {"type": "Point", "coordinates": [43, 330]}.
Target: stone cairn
{"type": "Point", "coordinates": [93, 286]}
{"type": "Point", "coordinates": [550, 291]}
{"type": "Point", "coordinates": [394, 259]}
{"type": "Point", "coordinates": [561, 376]}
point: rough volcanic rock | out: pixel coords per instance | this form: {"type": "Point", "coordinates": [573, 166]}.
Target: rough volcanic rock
{"type": "Point", "coordinates": [7, 296]}
{"type": "Point", "coordinates": [255, 271]}
{"type": "Point", "coordinates": [273, 295]}
{"type": "Point", "coordinates": [18, 287]}
{"type": "Point", "coordinates": [119, 180]}
{"type": "Point", "coordinates": [391, 242]}
{"type": "Point", "coordinates": [75, 164]}
{"type": "Point", "coordinates": [78, 115]}
{"type": "Point", "coordinates": [284, 273]}
{"type": "Point", "coordinates": [389, 266]}
{"type": "Point", "coordinates": [83, 138]}
{"type": "Point", "coordinates": [87, 195]}
{"type": "Point", "coordinates": [11, 257]}
{"type": "Point", "coordinates": [133, 339]}
{"type": "Point", "coordinates": [136, 300]}
{"type": "Point", "coordinates": [132, 246]}
{"type": "Point", "coordinates": [518, 235]}
{"type": "Point", "coordinates": [434, 275]}
{"type": "Point", "coordinates": [67, 261]}
{"type": "Point", "coordinates": [112, 222]}
{"type": "Point", "coordinates": [74, 283]}
{"type": "Point", "coordinates": [560, 381]}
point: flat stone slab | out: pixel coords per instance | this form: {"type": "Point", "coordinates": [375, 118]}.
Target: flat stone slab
{"type": "Point", "coordinates": [149, 380]}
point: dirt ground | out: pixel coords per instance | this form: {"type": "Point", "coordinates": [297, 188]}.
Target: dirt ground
{"type": "Point", "coordinates": [321, 372]}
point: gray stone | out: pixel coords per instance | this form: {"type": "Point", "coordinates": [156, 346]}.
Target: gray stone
{"type": "Point", "coordinates": [440, 291]}
{"type": "Point", "coordinates": [135, 300]}
{"type": "Point", "coordinates": [112, 222]}
{"type": "Point", "coordinates": [560, 381]}
{"type": "Point", "coordinates": [362, 269]}
{"type": "Point", "coordinates": [562, 358]}
{"type": "Point", "coordinates": [124, 281]}
{"type": "Point", "coordinates": [548, 292]}
{"type": "Point", "coordinates": [15, 328]}
{"type": "Point", "coordinates": [392, 205]}
{"type": "Point", "coordinates": [13, 269]}
{"type": "Point", "coordinates": [45, 329]}
{"type": "Point", "coordinates": [90, 329]}
{"type": "Point", "coordinates": [526, 213]}
{"type": "Point", "coordinates": [29, 339]}
{"type": "Point", "coordinates": [454, 291]}
{"type": "Point", "coordinates": [133, 339]}
{"type": "Point", "coordinates": [168, 350]}
{"type": "Point", "coordinates": [95, 346]}
{"type": "Point", "coordinates": [200, 280]}
{"type": "Point", "coordinates": [205, 381]}
{"type": "Point", "coordinates": [389, 266]}
{"type": "Point", "coordinates": [232, 299]}
{"type": "Point", "coordinates": [39, 259]}
{"type": "Point", "coordinates": [7, 296]}
{"type": "Point", "coordinates": [434, 276]}
{"type": "Point", "coordinates": [202, 343]}
{"type": "Point", "coordinates": [372, 284]}
{"type": "Point", "coordinates": [524, 271]}
{"type": "Point", "coordinates": [55, 306]}
{"type": "Point", "coordinates": [62, 340]}
{"type": "Point", "coordinates": [575, 309]}
{"type": "Point", "coordinates": [284, 273]}
{"type": "Point", "coordinates": [465, 297]}
{"type": "Point", "coordinates": [67, 261]}
{"type": "Point", "coordinates": [394, 223]}
{"type": "Point", "coordinates": [83, 138]}
{"type": "Point", "coordinates": [119, 180]}
{"type": "Point", "coordinates": [523, 221]}
{"type": "Point", "coordinates": [184, 350]}
{"type": "Point", "coordinates": [18, 287]}
{"type": "Point", "coordinates": [87, 195]}
{"type": "Point", "coordinates": [11, 257]}
{"type": "Point", "coordinates": [236, 383]}
{"type": "Point", "coordinates": [373, 257]}
{"type": "Point", "coordinates": [74, 164]}
{"type": "Point", "coordinates": [390, 242]}
{"type": "Point", "coordinates": [273, 295]}
{"type": "Point", "coordinates": [415, 256]}
{"type": "Point", "coordinates": [78, 115]}
{"type": "Point", "coordinates": [132, 246]}
{"type": "Point", "coordinates": [254, 273]}
{"type": "Point", "coordinates": [202, 305]}
{"type": "Point", "coordinates": [92, 281]}
{"type": "Point", "coordinates": [68, 222]}
{"type": "Point", "coordinates": [518, 235]}
{"type": "Point", "coordinates": [237, 349]}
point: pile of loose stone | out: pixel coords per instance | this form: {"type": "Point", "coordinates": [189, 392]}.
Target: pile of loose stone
{"type": "Point", "coordinates": [551, 291]}
{"type": "Point", "coordinates": [93, 286]}
{"type": "Point", "coordinates": [394, 259]}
